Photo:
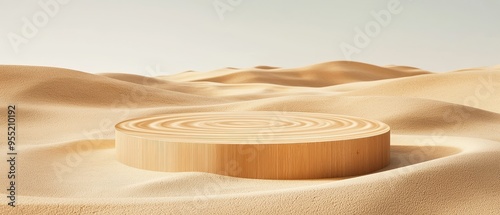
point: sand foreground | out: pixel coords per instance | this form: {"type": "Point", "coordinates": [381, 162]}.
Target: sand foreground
{"type": "Point", "coordinates": [445, 143]}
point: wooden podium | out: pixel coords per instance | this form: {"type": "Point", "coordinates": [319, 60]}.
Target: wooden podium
{"type": "Point", "coordinates": [258, 144]}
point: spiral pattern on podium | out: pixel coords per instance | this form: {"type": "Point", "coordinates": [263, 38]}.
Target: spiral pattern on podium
{"type": "Point", "coordinates": [258, 144]}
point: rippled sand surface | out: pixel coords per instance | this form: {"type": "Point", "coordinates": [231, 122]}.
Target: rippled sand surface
{"type": "Point", "coordinates": [444, 156]}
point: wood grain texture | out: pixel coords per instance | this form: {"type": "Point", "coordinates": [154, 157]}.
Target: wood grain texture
{"type": "Point", "coordinates": [259, 144]}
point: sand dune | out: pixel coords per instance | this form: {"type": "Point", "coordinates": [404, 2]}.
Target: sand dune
{"type": "Point", "coordinates": [44, 85]}
{"type": "Point", "coordinates": [319, 75]}
{"type": "Point", "coordinates": [479, 89]}
{"type": "Point", "coordinates": [445, 145]}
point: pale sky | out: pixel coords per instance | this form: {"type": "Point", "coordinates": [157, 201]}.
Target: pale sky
{"type": "Point", "coordinates": [178, 35]}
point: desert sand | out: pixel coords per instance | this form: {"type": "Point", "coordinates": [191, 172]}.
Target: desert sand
{"type": "Point", "coordinates": [445, 140]}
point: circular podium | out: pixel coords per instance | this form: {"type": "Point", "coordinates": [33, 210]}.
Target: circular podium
{"type": "Point", "coordinates": [258, 144]}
